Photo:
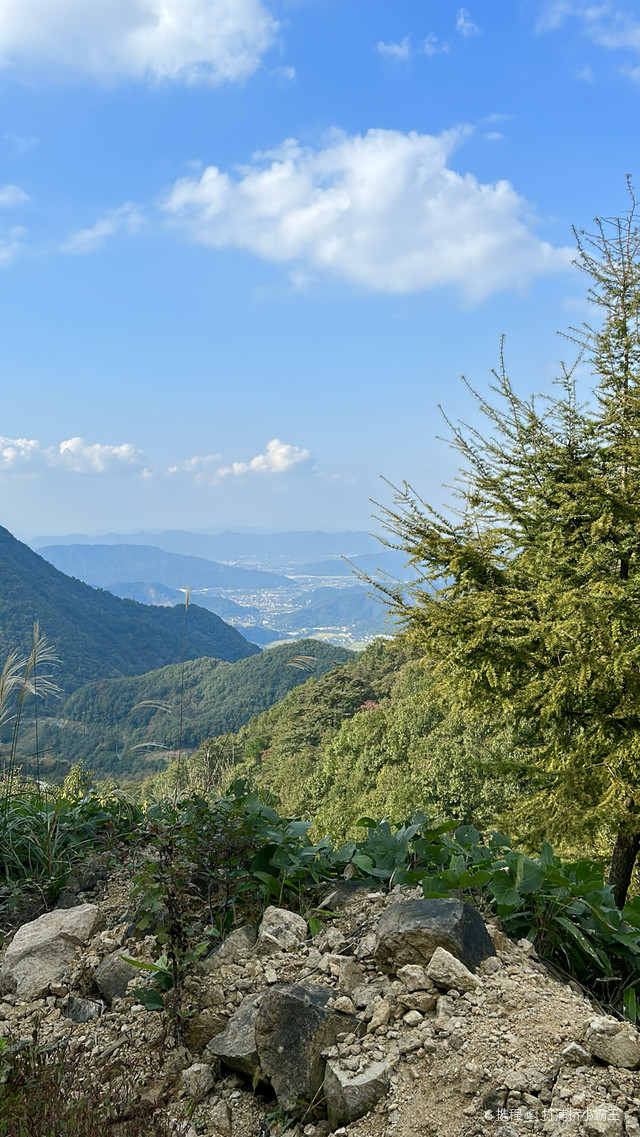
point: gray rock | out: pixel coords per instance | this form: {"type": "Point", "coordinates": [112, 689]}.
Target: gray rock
{"type": "Point", "coordinates": [448, 972]}
{"type": "Point", "coordinates": [349, 1095]}
{"type": "Point", "coordinates": [82, 1010]}
{"type": "Point", "coordinates": [280, 930]}
{"type": "Point", "coordinates": [616, 1043]}
{"type": "Point", "coordinates": [347, 892]}
{"type": "Point", "coordinates": [414, 977]}
{"type": "Point", "coordinates": [113, 975]}
{"type": "Point", "coordinates": [575, 1055]}
{"type": "Point", "coordinates": [197, 1081]}
{"type": "Point", "coordinates": [411, 930]}
{"type": "Point", "coordinates": [220, 1117]}
{"type": "Point", "coordinates": [607, 1121]}
{"type": "Point", "coordinates": [237, 944]}
{"type": "Point", "coordinates": [42, 950]}
{"type": "Point", "coordinates": [236, 1045]}
{"type": "Point", "coordinates": [292, 1028]}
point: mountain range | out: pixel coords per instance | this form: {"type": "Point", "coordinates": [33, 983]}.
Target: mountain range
{"type": "Point", "coordinates": [106, 565]}
{"type": "Point", "coordinates": [96, 634]}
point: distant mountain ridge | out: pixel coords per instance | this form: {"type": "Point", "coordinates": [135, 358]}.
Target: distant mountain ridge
{"type": "Point", "coordinates": [106, 565]}
{"type": "Point", "coordinates": [299, 545]}
{"type": "Point", "coordinates": [96, 634]}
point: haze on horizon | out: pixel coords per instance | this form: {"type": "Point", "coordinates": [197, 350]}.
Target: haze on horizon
{"type": "Point", "coordinates": [242, 263]}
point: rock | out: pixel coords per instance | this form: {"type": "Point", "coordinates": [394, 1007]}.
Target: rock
{"type": "Point", "coordinates": [616, 1043]}
{"type": "Point", "coordinates": [236, 1045]}
{"type": "Point", "coordinates": [196, 1081]}
{"type": "Point", "coordinates": [367, 946]}
{"type": "Point", "coordinates": [203, 1026]}
{"type": "Point", "coordinates": [414, 977]}
{"type": "Point", "coordinates": [220, 1117]}
{"type": "Point", "coordinates": [42, 950]}
{"type": "Point", "coordinates": [411, 930]}
{"type": "Point", "coordinates": [448, 972]}
{"type": "Point", "coordinates": [293, 1026]}
{"type": "Point", "coordinates": [237, 943]}
{"type": "Point", "coordinates": [280, 930]}
{"type": "Point", "coordinates": [631, 1125]}
{"type": "Point", "coordinates": [607, 1121]}
{"type": "Point", "coordinates": [349, 1095]}
{"type": "Point", "coordinates": [344, 1005]}
{"type": "Point", "coordinates": [343, 895]}
{"type": "Point", "coordinates": [574, 1055]}
{"type": "Point", "coordinates": [82, 1010]}
{"type": "Point", "coordinates": [501, 942]}
{"type": "Point", "coordinates": [113, 975]}
{"type": "Point", "coordinates": [381, 1015]}
{"type": "Point", "coordinates": [351, 976]}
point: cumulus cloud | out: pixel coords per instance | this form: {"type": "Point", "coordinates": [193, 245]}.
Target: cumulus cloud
{"type": "Point", "coordinates": [398, 51]}
{"type": "Point", "coordinates": [203, 468]}
{"type": "Point", "coordinates": [279, 458]}
{"type": "Point", "coordinates": [383, 211]}
{"type": "Point", "coordinates": [465, 25]}
{"type": "Point", "coordinates": [12, 195]}
{"type": "Point", "coordinates": [128, 218]}
{"type": "Point", "coordinates": [73, 454]}
{"type": "Point", "coordinates": [210, 40]}
{"type": "Point", "coordinates": [431, 45]}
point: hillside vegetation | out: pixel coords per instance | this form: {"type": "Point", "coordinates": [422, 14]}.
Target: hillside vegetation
{"type": "Point", "coordinates": [122, 726]}
{"type": "Point", "coordinates": [95, 634]}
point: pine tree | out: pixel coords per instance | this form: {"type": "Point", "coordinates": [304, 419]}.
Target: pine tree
{"type": "Point", "coordinates": [527, 597]}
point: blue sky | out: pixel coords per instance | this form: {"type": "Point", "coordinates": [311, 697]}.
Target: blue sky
{"type": "Point", "coordinates": [247, 246]}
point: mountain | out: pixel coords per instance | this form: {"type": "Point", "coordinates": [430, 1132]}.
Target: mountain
{"type": "Point", "coordinates": [353, 608]}
{"type": "Point", "coordinates": [387, 561]}
{"type": "Point", "coordinates": [95, 633]}
{"type": "Point", "coordinates": [120, 725]}
{"type": "Point", "coordinates": [106, 565]}
{"type": "Point", "coordinates": [229, 546]}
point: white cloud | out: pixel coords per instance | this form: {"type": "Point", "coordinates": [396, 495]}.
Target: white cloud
{"type": "Point", "coordinates": [73, 454]}
{"type": "Point", "coordinates": [12, 195]}
{"type": "Point", "coordinates": [465, 25]}
{"type": "Point", "coordinates": [279, 458]}
{"type": "Point", "coordinates": [604, 24]}
{"type": "Point", "coordinates": [431, 45]}
{"type": "Point", "coordinates": [210, 40]}
{"type": "Point", "coordinates": [203, 468]}
{"type": "Point", "coordinates": [127, 218]}
{"type": "Point", "coordinates": [399, 51]}
{"type": "Point", "coordinates": [382, 211]}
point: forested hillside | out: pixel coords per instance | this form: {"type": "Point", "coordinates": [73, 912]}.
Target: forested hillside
{"type": "Point", "coordinates": [96, 634]}
{"type": "Point", "coordinates": [123, 726]}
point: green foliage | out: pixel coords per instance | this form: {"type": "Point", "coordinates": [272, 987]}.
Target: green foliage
{"type": "Point", "coordinates": [121, 725]}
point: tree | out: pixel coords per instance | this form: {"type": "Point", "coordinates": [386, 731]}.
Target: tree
{"type": "Point", "coordinates": [527, 596]}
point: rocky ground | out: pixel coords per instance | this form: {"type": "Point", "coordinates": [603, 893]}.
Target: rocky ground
{"type": "Point", "coordinates": [413, 1013]}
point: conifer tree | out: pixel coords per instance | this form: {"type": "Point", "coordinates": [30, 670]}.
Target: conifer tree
{"type": "Point", "coordinates": [527, 596]}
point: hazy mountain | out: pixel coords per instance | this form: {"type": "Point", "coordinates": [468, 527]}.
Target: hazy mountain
{"type": "Point", "coordinates": [353, 608]}
{"type": "Point", "coordinates": [95, 633]}
{"type": "Point", "coordinates": [229, 546]}
{"type": "Point", "coordinates": [389, 561]}
{"type": "Point", "coordinates": [107, 565]}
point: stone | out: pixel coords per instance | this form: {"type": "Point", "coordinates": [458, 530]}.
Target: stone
{"type": "Point", "coordinates": [631, 1125]}
{"type": "Point", "coordinates": [411, 930]}
{"type": "Point", "coordinates": [220, 1118]}
{"type": "Point", "coordinates": [280, 930]}
{"type": "Point", "coordinates": [606, 1121]}
{"type": "Point", "coordinates": [113, 975]}
{"type": "Point", "coordinates": [293, 1026]}
{"type": "Point", "coordinates": [414, 977]}
{"type": "Point", "coordinates": [449, 973]}
{"type": "Point", "coordinates": [343, 895]}
{"type": "Point", "coordinates": [351, 976]}
{"type": "Point", "coordinates": [82, 1010]}
{"type": "Point", "coordinates": [349, 1095]}
{"type": "Point", "coordinates": [575, 1055]}
{"type": "Point", "coordinates": [42, 949]}
{"type": "Point", "coordinates": [613, 1042]}
{"type": "Point", "coordinates": [238, 943]}
{"type": "Point", "coordinates": [236, 1045]}
{"type": "Point", "coordinates": [197, 1081]}
{"type": "Point", "coordinates": [381, 1015]}
{"type": "Point", "coordinates": [344, 1005]}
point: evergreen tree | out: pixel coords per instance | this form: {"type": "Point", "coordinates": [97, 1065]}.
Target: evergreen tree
{"type": "Point", "coordinates": [527, 597]}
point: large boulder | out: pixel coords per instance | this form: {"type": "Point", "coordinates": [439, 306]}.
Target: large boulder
{"type": "Point", "coordinates": [236, 1045]}
{"type": "Point", "coordinates": [292, 1028]}
{"type": "Point", "coordinates": [349, 1095]}
{"type": "Point", "coordinates": [409, 931]}
{"type": "Point", "coordinates": [616, 1043]}
{"type": "Point", "coordinates": [42, 950]}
